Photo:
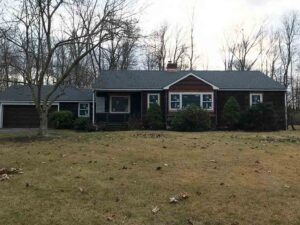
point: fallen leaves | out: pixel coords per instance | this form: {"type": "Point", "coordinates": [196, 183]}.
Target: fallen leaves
{"type": "Point", "coordinates": [155, 210]}
{"type": "Point", "coordinates": [5, 173]}
{"type": "Point", "coordinates": [4, 177]}
{"type": "Point", "coordinates": [175, 199]}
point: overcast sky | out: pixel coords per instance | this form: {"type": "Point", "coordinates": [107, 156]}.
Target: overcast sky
{"type": "Point", "coordinates": [213, 18]}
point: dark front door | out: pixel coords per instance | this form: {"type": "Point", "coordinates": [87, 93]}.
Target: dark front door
{"type": "Point", "coordinates": [21, 116]}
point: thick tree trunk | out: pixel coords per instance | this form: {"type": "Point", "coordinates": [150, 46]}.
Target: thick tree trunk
{"type": "Point", "coordinates": [43, 129]}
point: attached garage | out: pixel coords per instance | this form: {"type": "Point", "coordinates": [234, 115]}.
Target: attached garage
{"type": "Point", "coordinates": [17, 109]}
{"type": "Point", "coordinates": [21, 116]}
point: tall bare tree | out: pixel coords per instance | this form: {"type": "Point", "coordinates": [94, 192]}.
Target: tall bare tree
{"type": "Point", "coordinates": [41, 28]}
{"type": "Point", "coordinates": [289, 31]}
{"type": "Point", "coordinates": [242, 51]}
{"type": "Point", "coordinates": [289, 34]}
{"type": "Point", "coordinates": [191, 55]}
{"type": "Point", "coordinates": [155, 48]}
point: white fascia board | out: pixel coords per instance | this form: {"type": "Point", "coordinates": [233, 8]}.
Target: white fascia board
{"type": "Point", "coordinates": [191, 74]}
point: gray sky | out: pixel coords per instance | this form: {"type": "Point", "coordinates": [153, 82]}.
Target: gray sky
{"type": "Point", "coordinates": [213, 18]}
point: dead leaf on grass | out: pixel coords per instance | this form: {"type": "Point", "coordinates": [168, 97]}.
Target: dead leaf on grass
{"type": "Point", "coordinates": [4, 177]}
{"type": "Point", "coordinates": [81, 190]}
{"type": "Point", "coordinates": [173, 200]}
{"type": "Point", "coordinates": [155, 210]}
{"type": "Point", "coordinates": [182, 196]}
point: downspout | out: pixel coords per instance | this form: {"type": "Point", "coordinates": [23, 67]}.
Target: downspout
{"type": "Point", "coordinates": [141, 93]}
{"type": "Point", "coordinates": [215, 102]}
{"type": "Point", "coordinates": [94, 107]}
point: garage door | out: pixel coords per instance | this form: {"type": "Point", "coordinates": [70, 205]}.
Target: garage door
{"type": "Point", "coordinates": [21, 116]}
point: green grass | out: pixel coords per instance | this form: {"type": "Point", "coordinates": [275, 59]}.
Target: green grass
{"type": "Point", "coordinates": [231, 178]}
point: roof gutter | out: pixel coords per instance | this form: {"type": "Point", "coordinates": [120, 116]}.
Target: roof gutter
{"type": "Point", "coordinates": [252, 90]}
{"type": "Point", "coordinates": [129, 89]}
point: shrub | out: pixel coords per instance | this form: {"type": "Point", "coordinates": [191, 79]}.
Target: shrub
{"type": "Point", "coordinates": [231, 113]}
{"type": "Point", "coordinates": [154, 118]}
{"type": "Point", "coordinates": [192, 118]}
{"type": "Point", "coordinates": [61, 120]}
{"type": "Point", "coordinates": [83, 124]}
{"type": "Point", "coordinates": [261, 117]}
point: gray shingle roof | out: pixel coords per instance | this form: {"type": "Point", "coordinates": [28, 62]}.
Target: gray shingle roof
{"type": "Point", "coordinates": [224, 80]}
{"type": "Point", "coordinates": [23, 93]}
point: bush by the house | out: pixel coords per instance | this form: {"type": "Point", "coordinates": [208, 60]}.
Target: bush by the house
{"type": "Point", "coordinates": [154, 118]}
{"type": "Point", "coordinates": [192, 118]}
{"type": "Point", "coordinates": [261, 117]}
{"type": "Point", "coordinates": [61, 119]}
{"type": "Point", "coordinates": [83, 124]}
{"type": "Point", "coordinates": [231, 113]}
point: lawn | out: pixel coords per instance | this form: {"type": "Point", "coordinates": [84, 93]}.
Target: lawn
{"type": "Point", "coordinates": [100, 178]}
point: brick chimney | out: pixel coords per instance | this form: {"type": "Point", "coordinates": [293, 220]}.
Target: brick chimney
{"type": "Point", "coordinates": [171, 67]}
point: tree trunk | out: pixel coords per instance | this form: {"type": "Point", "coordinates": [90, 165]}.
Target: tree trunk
{"type": "Point", "coordinates": [43, 129]}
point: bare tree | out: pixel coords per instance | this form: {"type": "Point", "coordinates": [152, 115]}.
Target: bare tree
{"type": "Point", "coordinates": [41, 28]}
{"type": "Point", "coordinates": [272, 54]}
{"type": "Point", "coordinates": [155, 48]}
{"type": "Point", "coordinates": [228, 52]}
{"type": "Point", "coordinates": [191, 55]}
{"type": "Point", "coordinates": [118, 53]}
{"type": "Point", "coordinates": [178, 52]}
{"type": "Point", "coordinates": [289, 31]}
{"type": "Point", "coordinates": [242, 51]}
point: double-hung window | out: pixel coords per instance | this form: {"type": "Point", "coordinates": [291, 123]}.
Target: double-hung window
{"type": "Point", "coordinates": [119, 104]}
{"type": "Point", "coordinates": [183, 100]}
{"type": "Point", "coordinates": [153, 98]}
{"type": "Point", "coordinates": [83, 109]}
{"type": "Point", "coordinates": [175, 102]}
{"type": "Point", "coordinates": [256, 98]}
{"type": "Point", "coordinates": [207, 101]}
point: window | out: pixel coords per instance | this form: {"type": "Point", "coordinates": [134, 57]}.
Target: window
{"type": "Point", "coordinates": [153, 99]}
{"type": "Point", "coordinates": [207, 101]}
{"type": "Point", "coordinates": [190, 99]}
{"type": "Point", "coordinates": [120, 104]}
{"type": "Point", "coordinates": [83, 110]}
{"type": "Point", "coordinates": [183, 100]}
{"type": "Point", "coordinates": [174, 101]}
{"type": "Point", "coordinates": [255, 98]}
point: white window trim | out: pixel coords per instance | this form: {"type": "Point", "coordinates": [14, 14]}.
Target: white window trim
{"type": "Point", "coordinates": [261, 97]}
{"type": "Point", "coordinates": [123, 96]}
{"type": "Point", "coordinates": [148, 98]}
{"type": "Point", "coordinates": [191, 93]}
{"type": "Point", "coordinates": [88, 109]}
